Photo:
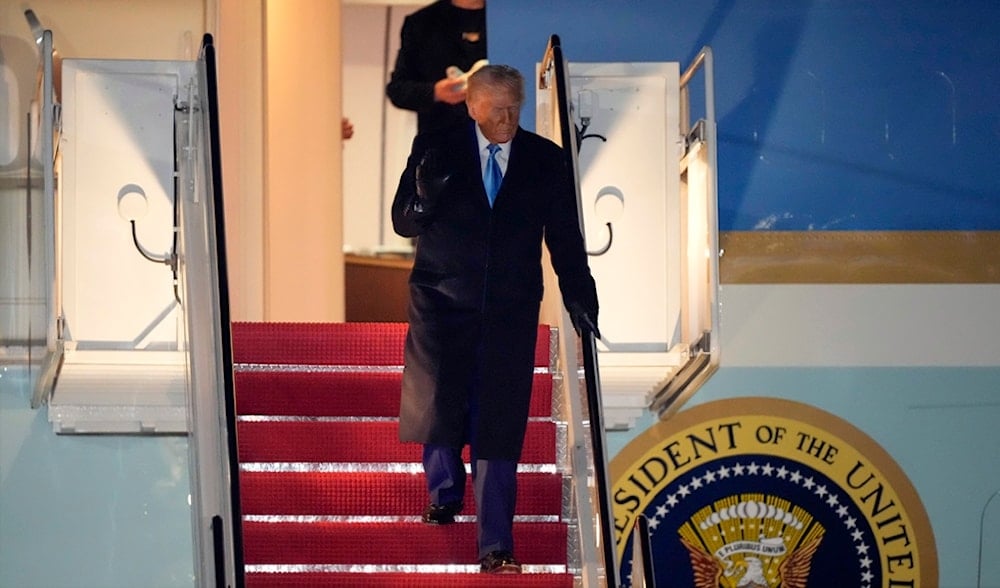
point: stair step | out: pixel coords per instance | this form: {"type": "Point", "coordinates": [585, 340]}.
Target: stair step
{"type": "Point", "coordinates": [356, 393]}
{"type": "Point", "coordinates": [384, 544]}
{"type": "Point", "coordinates": [319, 343]}
{"type": "Point", "coordinates": [373, 493]}
{"type": "Point", "coordinates": [358, 441]}
{"type": "Point", "coordinates": [366, 344]}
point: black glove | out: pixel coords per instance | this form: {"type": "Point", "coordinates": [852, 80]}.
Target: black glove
{"type": "Point", "coordinates": [431, 179]}
{"type": "Point", "coordinates": [583, 319]}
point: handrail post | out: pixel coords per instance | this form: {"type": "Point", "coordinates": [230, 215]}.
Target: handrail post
{"type": "Point", "coordinates": [704, 58]}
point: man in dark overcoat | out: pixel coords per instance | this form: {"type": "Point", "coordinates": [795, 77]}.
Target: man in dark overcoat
{"type": "Point", "coordinates": [444, 34]}
{"type": "Point", "coordinates": [475, 293]}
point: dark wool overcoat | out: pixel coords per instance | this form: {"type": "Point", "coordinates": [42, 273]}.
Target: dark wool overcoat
{"type": "Point", "coordinates": [476, 288]}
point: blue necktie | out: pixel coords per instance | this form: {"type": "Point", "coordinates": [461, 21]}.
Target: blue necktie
{"type": "Point", "coordinates": [492, 177]}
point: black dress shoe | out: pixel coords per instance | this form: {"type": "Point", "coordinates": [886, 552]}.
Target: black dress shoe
{"type": "Point", "coordinates": [442, 514]}
{"type": "Point", "coordinates": [499, 562]}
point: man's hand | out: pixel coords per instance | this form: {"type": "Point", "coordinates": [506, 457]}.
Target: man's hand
{"type": "Point", "coordinates": [583, 320]}
{"type": "Point", "coordinates": [430, 179]}
{"type": "Point", "coordinates": [449, 90]}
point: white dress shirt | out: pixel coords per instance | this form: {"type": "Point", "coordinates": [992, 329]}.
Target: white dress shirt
{"type": "Point", "coordinates": [484, 153]}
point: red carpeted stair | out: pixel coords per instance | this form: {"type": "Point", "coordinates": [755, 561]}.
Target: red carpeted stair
{"type": "Point", "coordinates": [330, 497]}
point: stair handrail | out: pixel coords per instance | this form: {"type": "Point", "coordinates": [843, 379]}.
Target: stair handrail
{"type": "Point", "coordinates": [577, 453]}
{"type": "Point", "coordinates": [702, 60]}
{"type": "Point", "coordinates": [202, 266]}
{"type": "Point", "coordinates": [554, 60]}
{"type": "Point", "coordinates": [596, 409]}
{"type": "Point", "coordinates": [48, 128]}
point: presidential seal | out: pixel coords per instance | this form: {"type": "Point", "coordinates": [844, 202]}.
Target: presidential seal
{"type": "Point", "coordinates": [769, 493]}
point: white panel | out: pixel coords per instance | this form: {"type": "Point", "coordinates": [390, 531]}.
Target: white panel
{"type": "Point", "coordinates": [363, 95]}
{"type": "Point", "coordinates": [699, 238]}
{"type": "Point", "coordinates": [10, 116]}
{"type": "Point", "coordinates": [632, 181]}
{"type": "Point", "coordinates": [400, 128]}
{"type": "Point", "coordinates": [117, 140]}
{"type": "Point", "coordinates": [376, 155]}
{"type": "Point", "coordinates": [22, 299]}
{"type": "Point", "coordinates": [906, 325]}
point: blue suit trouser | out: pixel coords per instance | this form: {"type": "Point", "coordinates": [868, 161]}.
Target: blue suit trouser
{"type": "Point", "coordinates": [494, 484]}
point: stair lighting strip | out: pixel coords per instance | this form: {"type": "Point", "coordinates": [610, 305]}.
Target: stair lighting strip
{"type": "Point", "coordinates": [268, 418]}
{"type": "Point", "coordinates": [381, 569]}
{"type": "Point", "coordinates": [288, 367]}
{"type": "Point", "coordinates": [358, 519]}
{"type": "Point", "coordinates": [366, 467]}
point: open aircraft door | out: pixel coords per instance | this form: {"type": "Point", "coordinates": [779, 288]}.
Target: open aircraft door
{"type": "Point", "coordinates": [137, 341]}
{"type": "Point", "coordinates": [646, 187]}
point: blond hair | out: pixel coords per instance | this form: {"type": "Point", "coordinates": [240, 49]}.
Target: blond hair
{"type": "Point", "coordinates": [496, 77]}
